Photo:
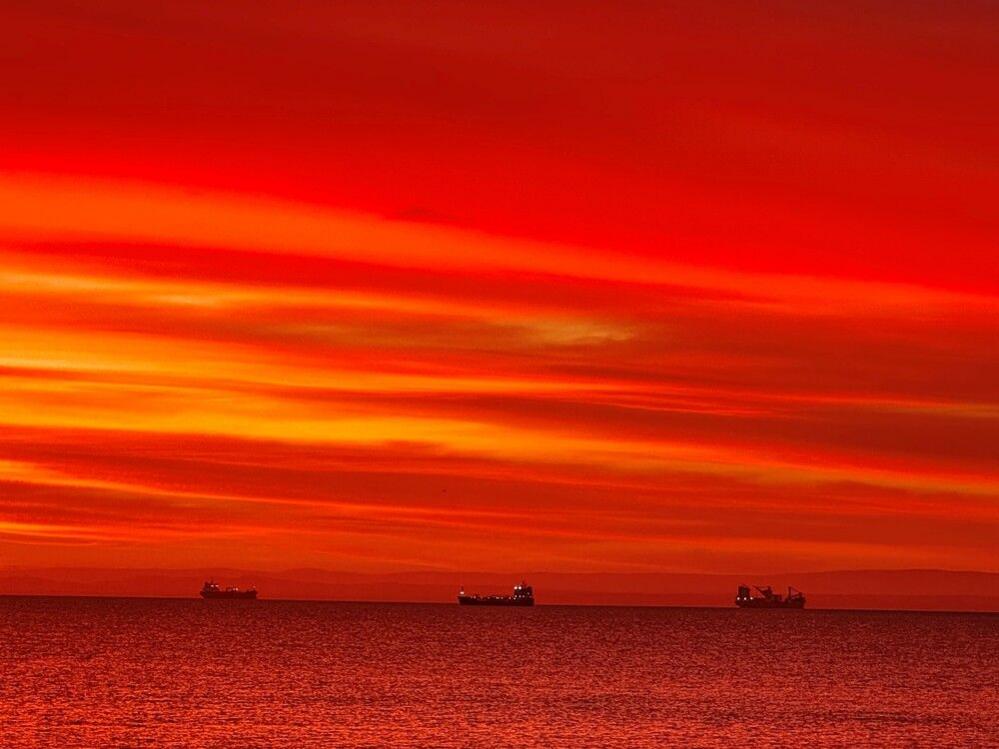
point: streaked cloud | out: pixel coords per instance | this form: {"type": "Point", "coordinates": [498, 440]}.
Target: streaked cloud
{"type": "Point", "coordinates": [607, 317]}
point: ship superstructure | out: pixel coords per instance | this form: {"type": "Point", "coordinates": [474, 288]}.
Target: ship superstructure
{"type": "Point", "coordinates": [212, 590]}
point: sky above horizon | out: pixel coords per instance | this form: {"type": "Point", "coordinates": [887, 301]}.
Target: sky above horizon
{"type": "Point", "coordinates": [701, 287]}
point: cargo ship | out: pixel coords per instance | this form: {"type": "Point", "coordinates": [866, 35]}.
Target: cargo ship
{"type": "Point", "coordinates": [523, 595]}
{"type": "Point", "coordinates": [211, 589]}
{"type": "Point", "coordinates": [768, 599]}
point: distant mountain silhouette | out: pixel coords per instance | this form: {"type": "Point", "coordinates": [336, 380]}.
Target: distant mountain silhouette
{"type": "Point", "coordinates": [866, 589]}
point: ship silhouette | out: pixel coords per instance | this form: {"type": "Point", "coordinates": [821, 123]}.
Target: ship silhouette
{"type": "Point", "coordinates": [211, 589]}
{"type": "Point", "coordinates": [768, 599]}
{"type": "Point", "coordinates": [523, 595]}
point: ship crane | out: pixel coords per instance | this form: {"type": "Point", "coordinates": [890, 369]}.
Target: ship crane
{"type": "Point", "coordinates": [768, 599]}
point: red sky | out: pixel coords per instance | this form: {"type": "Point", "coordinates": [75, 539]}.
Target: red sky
{"type": "Point", "coordinates": [514, 286]}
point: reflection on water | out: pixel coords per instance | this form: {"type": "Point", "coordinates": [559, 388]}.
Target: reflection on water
{"type": "Point", "coordinates": [161, 673]}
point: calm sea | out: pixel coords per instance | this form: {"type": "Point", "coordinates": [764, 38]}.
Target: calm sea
{"type": "Point", "coordinates": [175, 673]}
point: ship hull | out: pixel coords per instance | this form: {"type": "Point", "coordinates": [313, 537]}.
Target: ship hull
{"type": "Point", "coordinates": [762, 603]}
{"type": "Point", "coordinates": [242, 595]}
{"type": "Point", "coordinates": [494, 601]}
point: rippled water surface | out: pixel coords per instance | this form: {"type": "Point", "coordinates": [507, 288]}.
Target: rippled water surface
{"type": "Point", "coordinates": [164, 673]}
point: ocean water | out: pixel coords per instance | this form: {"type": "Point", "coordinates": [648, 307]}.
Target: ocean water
{"type": "Point", "coordinates": [192, 673]}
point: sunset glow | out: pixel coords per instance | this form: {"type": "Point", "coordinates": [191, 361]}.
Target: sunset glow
{"type": "Point", "coordinates": [374, 290]}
